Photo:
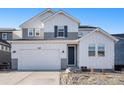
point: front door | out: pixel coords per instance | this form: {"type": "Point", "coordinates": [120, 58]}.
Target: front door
{"type": "Point", "coordinates": [71, 56]}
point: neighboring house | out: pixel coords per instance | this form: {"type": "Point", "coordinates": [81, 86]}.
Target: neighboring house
{"type": "Point", "coordinates": [9, 34]}
{"type": "Point", "coordinates": [119, 52]}
{"type": "Point", "coordinates": [5, 55]}
{"type": "Point", "coordinates": [55, 40]}
{"type": "Point", "coordinates": [6, 35]}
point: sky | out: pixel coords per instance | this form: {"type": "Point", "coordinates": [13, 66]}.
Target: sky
{"type": "Point", "coordinates": [111, 20]}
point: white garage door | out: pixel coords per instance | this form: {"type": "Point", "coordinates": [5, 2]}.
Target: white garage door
{"type": "Point", "coordinates": [39, 60]}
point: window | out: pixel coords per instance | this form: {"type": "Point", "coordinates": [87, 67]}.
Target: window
{"type": "Point", "coordinates": [91, 51]}
{"type": "Point", "coordinates": [6, 48]}
{"type": "Point", "coordinates": [60, 31]}
{"type": "Point", "coordinates": [3, 47]}
{"type": "Point", "coordinates": [30, 32]}
{"type": "Point", "coordinates": [4, 36]}
{"type": "Point", "coordinates": [101, 50]}
{"type": "Point", "coordinates": [37, 32]}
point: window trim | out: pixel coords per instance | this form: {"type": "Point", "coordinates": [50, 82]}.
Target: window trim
{"type": "Point", "coordinates": [99, 45]}
{"type": "Point", "coordinates": [4, 37]}
{"type": "Point", "coordinates": [37, 30]}
{"type": "Point", "coordinates": [92, 51]}
{"type": "Point", "coordinates": [30, 30]}
{"type": "Point", "coordinates": [60, 31]}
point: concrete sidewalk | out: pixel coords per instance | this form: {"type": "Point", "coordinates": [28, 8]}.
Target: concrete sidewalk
{"type": "Point", "coordinates": [29, 78]}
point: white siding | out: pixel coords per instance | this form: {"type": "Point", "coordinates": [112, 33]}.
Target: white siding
{"type": "Point", "coordinates": [106, 62]}
{"type": "Point", "coordinates": [39, 60]}
{"type": "Point", "coordinates": [36, 22]}
{"type": "Point", "coordinates": [19, 47]}
{"type": "Point", "coordinates": [39, 56]}
{"type": "Point", "coordinates": [61, 20]}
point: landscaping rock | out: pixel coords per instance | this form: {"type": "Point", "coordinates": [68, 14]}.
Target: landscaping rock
{"type": "Point", "coordinates": [92, 79]}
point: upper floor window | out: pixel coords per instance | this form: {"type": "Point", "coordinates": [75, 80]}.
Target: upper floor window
{"type": "Point", "coordinates": [61, 31]}
{"type": "Point", "coordinates": [101, 50]}
{"type": "Point", "coordinates": [4, 36]}
{"type": "Point", "coordinates": [30, 32]}
{"type": "Point", "coordinates": [91, 51]}
{"type": "Point", "coordinates": [37, 32]}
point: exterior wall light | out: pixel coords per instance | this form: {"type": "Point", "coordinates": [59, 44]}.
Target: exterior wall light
{"type": "Point", "coordinates": [63, 51]}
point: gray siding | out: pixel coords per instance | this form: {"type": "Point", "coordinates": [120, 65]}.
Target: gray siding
{"type": "Point", "coordinates": [50, 36]}
{"type": "Point", "coordinates": [9, 35]}
{"type": "Point", "coordinates": [14, 64]}
{"type": "Point", "coordinates": [64, 63]}
{"type": "Point", "coordinates": [25, 34]}
{"type": "Point", "coordinates": [119, 52]}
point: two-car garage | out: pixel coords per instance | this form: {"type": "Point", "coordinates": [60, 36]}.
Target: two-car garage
{"type": "Point", "coordinates": [37, 55]}
{"type": "Point", "coordinates": [39, 60]}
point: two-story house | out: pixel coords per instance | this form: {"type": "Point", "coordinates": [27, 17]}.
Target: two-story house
{"type": "Point", "coordinates": [55, 40]}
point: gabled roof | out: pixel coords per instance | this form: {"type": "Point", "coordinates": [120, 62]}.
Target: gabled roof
{"type": "Point", "coordinates": [101, 31]}
{"type": "Point", "coordinates": [45, 11]}
{"type": "Point", "coordinates": [66, 14]}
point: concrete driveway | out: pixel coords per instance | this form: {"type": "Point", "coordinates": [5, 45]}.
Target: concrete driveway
{"type": "Point", "coordinates": [29, 78]}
